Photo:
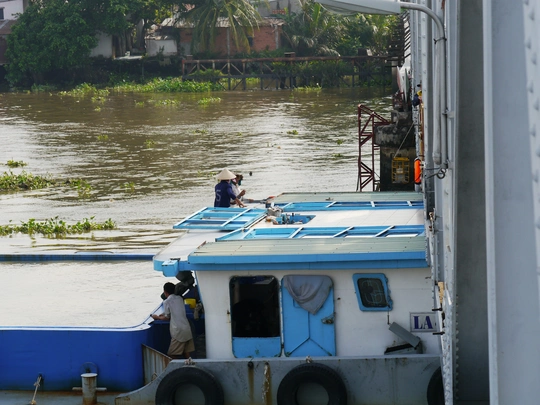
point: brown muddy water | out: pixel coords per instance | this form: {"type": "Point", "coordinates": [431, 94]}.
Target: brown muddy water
{"type": "Point", "coordinates": [151, 159]}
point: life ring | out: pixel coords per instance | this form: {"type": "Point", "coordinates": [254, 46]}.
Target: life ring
{"type": "Point", "coordinates": [312, 373]}
{"type": "Point", "coordinates": [435, 389]}
{"type": "Point", "coordinates": [205, 381]}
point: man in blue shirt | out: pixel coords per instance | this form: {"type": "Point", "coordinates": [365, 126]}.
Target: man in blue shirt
{"type": "Point", "coordinates": [224, 191]}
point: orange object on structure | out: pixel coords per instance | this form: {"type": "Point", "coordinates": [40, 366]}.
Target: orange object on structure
{"type": "Point", "coordinates": [417, 171]}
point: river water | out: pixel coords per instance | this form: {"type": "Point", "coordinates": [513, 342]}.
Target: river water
{"type": "Point", "coordinates": [151, 159]}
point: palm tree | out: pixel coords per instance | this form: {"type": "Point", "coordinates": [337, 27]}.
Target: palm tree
{"type": "Point", "coordinates": [313, 31]}
{"type": "Point", "coordinates": [240, 16]}
{"type": "Point", "coordinates": [381, 26]}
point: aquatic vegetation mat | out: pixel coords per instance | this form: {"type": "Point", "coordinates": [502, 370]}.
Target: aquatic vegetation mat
{"type": "Point", "coordinates": [24, 181]}
{"type": "Point", "coordinates": [10, 181]}
{"type": "Point", "coordinates": [57, 228]}
{"type": "Point", "coordinates": [16, 163]}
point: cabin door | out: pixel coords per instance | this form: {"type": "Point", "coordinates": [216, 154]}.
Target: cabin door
{"type": "Point", "coordinates": [307, 334]}
{"type": "Point", "coordinates": [255, 316]}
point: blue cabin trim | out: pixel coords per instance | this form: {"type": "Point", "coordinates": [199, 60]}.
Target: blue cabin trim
{"type": "Point", "coordinates": [170, 268]}
{"type": "Point", "coordinates": [307, 258]}
{"type": "Point", "coordinates": [256, 347]}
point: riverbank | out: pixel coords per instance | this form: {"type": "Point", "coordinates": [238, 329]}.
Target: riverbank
{"type": "Point", "coordinates": [217, 74]}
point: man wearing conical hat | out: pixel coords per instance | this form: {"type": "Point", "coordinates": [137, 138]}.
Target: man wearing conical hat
{"type": "Point", "coordinates": [224, 191]}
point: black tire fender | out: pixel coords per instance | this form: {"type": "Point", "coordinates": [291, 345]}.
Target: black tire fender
{"type": "Point", "coordinates": [435, 389]}
{"type": "Point", "coordinates": [317, 373]}
{"type": "Point", "coordinates": [204, 380]}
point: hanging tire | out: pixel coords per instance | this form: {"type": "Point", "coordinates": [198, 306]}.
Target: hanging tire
{"type": "Point", "coordinates": [205, 381]}
{"type": "Point", "coordinates": [435, 389]}
{"type": "Point", "coordinates": [312, 373]}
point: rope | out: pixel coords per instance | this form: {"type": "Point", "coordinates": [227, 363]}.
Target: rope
{"type": "Point", "coordinates": [36, 384]}
{"type": "Point", "coordinates": [404, 139]}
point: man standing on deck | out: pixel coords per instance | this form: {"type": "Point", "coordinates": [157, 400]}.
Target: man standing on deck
{"type": "Point", "coordinates": [175, 312]}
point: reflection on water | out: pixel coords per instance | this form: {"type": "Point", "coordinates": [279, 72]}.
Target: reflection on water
{"type": "Point", "coordinates": [156, 167]}
{"type": "Point", "coordinates": [288, 141]}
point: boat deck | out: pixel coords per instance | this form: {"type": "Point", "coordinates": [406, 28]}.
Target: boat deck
{"type": "Point", "coordinates": [53, 397]}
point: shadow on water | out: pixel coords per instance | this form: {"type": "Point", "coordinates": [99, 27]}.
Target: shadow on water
{"type": "Point", "coordinates": [151, 159]}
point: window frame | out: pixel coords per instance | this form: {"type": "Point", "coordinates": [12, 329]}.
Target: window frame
{"type": "Point", "coordinates": [384, 280]}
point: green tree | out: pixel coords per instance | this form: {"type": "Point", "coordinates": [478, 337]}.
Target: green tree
{"type": "Point", "coordinates": [357, 33]}
{"type": "Point", "coordinates": [53, 35]}
{"type": "Point", "coordinates": [119, 17]}
{"type": "Point", "coordinates": [241, 17]}
{"type": "Point", "coordinates": [314, 31]}
{"type": "Point", "coordinates": [48, 36]}
{"type": "Point", "coordinates": [381, 27]}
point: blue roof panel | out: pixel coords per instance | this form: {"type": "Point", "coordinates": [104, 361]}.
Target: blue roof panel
{"type": "Point", "coordinates": [226, 219]}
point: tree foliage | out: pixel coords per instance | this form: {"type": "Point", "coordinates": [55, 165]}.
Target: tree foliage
{"type": "Point", "coordinates": [381, 32]}
{"type": "Point", "coordinates": [359, 34]}
{"type": "Point", "coordinates": [57, 34]}
{"type": "Point", "coordinates": [48, 36]}
{"type": "Point", "coordinates": [206, 16]}
{"type": "Point", "coordinates": [313, 31]}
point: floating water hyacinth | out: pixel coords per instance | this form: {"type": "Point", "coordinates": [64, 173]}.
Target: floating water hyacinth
{"type": "Point", "coordinates": [209, 100]}
{"type": "Point", "coordinates": [10, 181]}
{"type": "Point", "coordinates": [13, 163]}
{"type": "Point", "coordinates": [55, 227]}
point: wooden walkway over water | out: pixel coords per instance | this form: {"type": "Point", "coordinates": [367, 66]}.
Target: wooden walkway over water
{"type": "Point", "coordinates": [289, 72]}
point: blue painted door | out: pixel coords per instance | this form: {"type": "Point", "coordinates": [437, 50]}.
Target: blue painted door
{"type": "Point", "coordinates": [305, 334]}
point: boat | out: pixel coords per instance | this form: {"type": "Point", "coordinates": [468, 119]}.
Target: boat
{"type": "Point", "coordinates": [306, 296]}
{"type": "Point", "coordinates": [477, 66]}
{"type": "Point", "coordinates": [330, 291]}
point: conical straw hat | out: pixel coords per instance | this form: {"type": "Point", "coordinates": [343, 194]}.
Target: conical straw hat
{"type": "Point", "coordinates": [226, 175]}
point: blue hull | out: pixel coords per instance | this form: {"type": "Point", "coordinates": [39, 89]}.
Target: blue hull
{"type": "Point", "coordinates": [61, 355]}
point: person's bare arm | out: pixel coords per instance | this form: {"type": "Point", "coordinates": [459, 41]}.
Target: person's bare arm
{"type": "Point", "coordinates": [239, 203]}
{"type": "Point", "coordinates": [161, 317]}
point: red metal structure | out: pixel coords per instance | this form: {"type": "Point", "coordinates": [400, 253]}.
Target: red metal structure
{"type": "Point", "coordinates": [366, 132]}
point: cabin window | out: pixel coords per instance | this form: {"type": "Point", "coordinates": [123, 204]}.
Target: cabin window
{"type": "Point", "coordinates": [255, 307]}
{"type": "Point", "coordinates": [372, 292]}
{"type": "Point", "coordinates": [1, 13]}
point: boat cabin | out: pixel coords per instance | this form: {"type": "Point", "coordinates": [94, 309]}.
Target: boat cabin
{"type": "Point", "coordinates": [329, 291]}
{"type": "Point", "coordinates": [311, 275]}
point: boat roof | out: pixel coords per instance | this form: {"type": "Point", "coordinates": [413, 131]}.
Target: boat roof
{"type": "Point", "coordinates": [350, 197]}
{"type": "Point", "coordinates": [327, 231]}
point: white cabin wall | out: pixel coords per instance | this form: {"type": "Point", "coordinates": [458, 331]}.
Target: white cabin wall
{"type": "Point", "coordinates": [358, 333]}
{"type": "Point", "coordinates": [214, 292]}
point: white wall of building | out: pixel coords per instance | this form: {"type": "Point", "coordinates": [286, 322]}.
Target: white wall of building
{"type": "Point", "coordinates": [11, 8]}
{"type": "Point", "coordinates": [167, 46]}
{"type": "Point", "coordinates": [104, 47]}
